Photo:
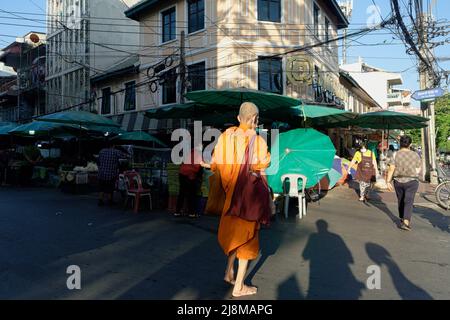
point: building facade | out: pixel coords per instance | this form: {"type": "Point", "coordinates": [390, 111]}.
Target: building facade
{"type": "Point", "coordinates": [356, 98]}
{"type": "Point", "coordinates": [25, 97]}
{"type": "Point", "coordinates": [232, 44]}
{"type": "Point", "coordinates": [8, 98]}
{"type": "Point", "coordinates": [85, 39]}
{"type": "Point", "coordinates": [380, 84]}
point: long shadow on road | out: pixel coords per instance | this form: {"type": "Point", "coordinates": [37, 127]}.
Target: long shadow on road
{"type": "Point", "coordinates": [330, 276]}
{"type": "Point", "coordinates": [437, 219]}
{"type": "Point", "coordinates": [377, 202]}
{"type": "Point", "coordinates": [290, 289]}
{"type": "Point", "coordinates": [270, 241]}
{"type": "Point", "coordinates": [405, 288]}
{"type": "Point", "coordinates": [195, 274]}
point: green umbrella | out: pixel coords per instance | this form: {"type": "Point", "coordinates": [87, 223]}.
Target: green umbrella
{"type": "Point", "coordinates": [312, 114]}
{"type": "Point", "coordinates": [388, 120]}
{"type": "Point", "coordinates": [210, 115]}
{"type": "Point", "coordinates": [103, 129]}
{"type": "Point", "coordinates": [5, 127]}
{"type": "Point", "coordinates": [300, 151]}
{"type": "Point", "coordinates": [80, 118]}
{"type": "Point", "coordinates": [325, 115]}
{"type": "Point", "coordinates": [235, 97]}
{"type": "Point", "coordinates": [189, 110]}
{"type": "Point", "coordinates": [39, 129]}
{"type": "Point", "coordinates": [138, 137]}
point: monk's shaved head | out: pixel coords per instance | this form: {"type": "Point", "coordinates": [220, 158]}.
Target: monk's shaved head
{"type": "Point", "coordinates": [247, 111]}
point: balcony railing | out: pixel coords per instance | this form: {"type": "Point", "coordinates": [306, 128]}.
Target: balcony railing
{"type": "Point", "coordinates": [394, 98]}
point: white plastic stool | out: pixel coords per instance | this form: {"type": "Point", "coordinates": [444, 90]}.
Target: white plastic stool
{"type": "Point", "coordinates": [294, 192]}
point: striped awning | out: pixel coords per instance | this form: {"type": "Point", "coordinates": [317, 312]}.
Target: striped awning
{"type": "Point", "coordinates": [138, 121]}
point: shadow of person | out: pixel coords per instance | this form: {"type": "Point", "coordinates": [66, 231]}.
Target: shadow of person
{"type": "Point", "coordinates": [405, 288]}
{"type": "Point", "coordinates": [270, 241]}
{"type": "Point", "coordinates": [354, 185]}
{"type": "Point", "coordinates": [330, 276]}
{"type": "Point", "coordinates": [290, 289]}
{"type": "Point", "coordinates": [377, 202]}
{"type": "Point", "coordinates": [437, 219]}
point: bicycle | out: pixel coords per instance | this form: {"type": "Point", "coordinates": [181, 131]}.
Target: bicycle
{"type": "Point", "coordinates": [442, 191]}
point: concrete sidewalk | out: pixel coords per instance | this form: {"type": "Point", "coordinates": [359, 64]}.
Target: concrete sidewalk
{"type": "Point", "coordinates": [155, 256]}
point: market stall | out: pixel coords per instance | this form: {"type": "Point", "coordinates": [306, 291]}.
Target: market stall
{"type": "Point", "coordinates": [152, 166]}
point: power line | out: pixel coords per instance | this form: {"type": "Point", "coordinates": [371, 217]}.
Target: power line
{"type": "Point", "coordinates": [302, 48]}
{"type": "Point", "coordinates": [246, 35]}
{"type": "Point", "coordinates": [156, 20]}
{"type": "Point", "coordinates": [44, 22]}
{"type": "Point", "coordinates": [38, 6]}
{"type": "Point", "coordinates": [406, 33]}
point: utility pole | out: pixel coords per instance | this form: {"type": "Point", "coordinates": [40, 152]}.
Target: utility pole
{"type": "Point", "coordinates": [182, 66]}
{"type": "Point", "coordinates": [347, 8]}
{"type": "Point", "coordinates": [427, 108]}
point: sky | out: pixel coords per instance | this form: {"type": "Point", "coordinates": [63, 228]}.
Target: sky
{"type": "Point", "coordinates": [385, 50]}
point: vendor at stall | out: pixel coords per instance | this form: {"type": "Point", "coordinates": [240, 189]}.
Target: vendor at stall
{"type": "Point", "coordinates": [33, 156]}
{"type": "Point", "coordinates": [108, 171]}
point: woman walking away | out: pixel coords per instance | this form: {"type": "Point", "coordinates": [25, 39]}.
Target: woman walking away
{"type": "Point", "coordinates": [404, 170]}
{"type": "Point", "coordinates": [238, 237]}
{"type": "Point", "coordinates": [189, 176]}
{"type": "Point", "coordinates": [365, 171]}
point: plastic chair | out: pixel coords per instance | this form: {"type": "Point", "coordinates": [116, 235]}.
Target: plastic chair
{"type": "Point", "coordinates": [135, 190]}
{"type": "Point", "coordinates": [295, 192]}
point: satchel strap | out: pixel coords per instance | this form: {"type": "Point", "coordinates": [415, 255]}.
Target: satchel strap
{"type": "Point", "coordinates": [249, 152]}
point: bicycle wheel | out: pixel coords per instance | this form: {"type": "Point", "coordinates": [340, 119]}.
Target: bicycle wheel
{"type": "Point", "coordinates": [443, 194]}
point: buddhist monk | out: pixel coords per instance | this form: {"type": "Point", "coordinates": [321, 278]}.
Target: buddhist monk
{"type": "Point", "coordinates": [237, 237]}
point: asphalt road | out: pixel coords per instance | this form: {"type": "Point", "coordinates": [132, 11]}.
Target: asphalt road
{"type": "Point", "coordinates": [152, 255]}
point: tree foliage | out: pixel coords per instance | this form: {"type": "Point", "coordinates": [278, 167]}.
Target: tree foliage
{"type": "Point", "coordinates": [416, 136]}
{"type": "Point", "coordinates": [442, 110]}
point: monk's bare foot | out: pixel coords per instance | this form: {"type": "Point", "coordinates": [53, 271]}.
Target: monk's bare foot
{"type": "Point", "coordinates": [245, 291]}
{"type": "Point", "coordinates": [229, 278]}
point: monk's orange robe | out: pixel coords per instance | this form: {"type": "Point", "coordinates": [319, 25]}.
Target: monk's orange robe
{"type": "Point", "coordinates": [236, 233]}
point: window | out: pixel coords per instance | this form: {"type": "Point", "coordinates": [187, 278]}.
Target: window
{"type": "Point", "coordinates": [196, 14]}
{"type": "Point", "coordinates": [316, 20]}
{"type": "Point", "coordinates": [106, 100]}
{"type": "Point", "coordinates": [169, 88]}
{"type": "Point", "coordinates": [327, 30]}
{"type": "Point", "coordinates": [196, 76]}
{"type": "Point", "coordinates": [130, 96]}
{"type": "Point", "coordinates": [269, 10]}
{"type": "Point", "coordinates": [168, 25]}
{"type": "Point", "coordinates": [270, 75]}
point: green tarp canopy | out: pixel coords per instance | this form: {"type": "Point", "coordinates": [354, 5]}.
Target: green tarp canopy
{"type": "Point", "coordinates": [39, 129]}
{"type": "Point", "coordinates": [386, 120]}
{"type": "Point", "coordinates": [138, 137]}
{"type": "Point", "coordinates": [5, 127]}
{"type": "Point", "coordinates": [235, 97]}
{"type": "Point", "coordinates": [79, 118]}
{"type": "Point", "coordinates": [216, 115]}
